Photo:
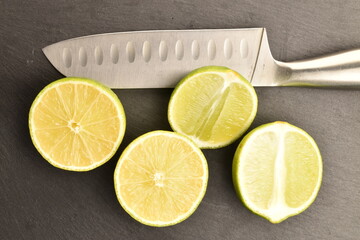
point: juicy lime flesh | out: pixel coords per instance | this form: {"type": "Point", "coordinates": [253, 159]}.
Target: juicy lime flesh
{"type": "Point", "coordinates": [302, 171]}
{"type": "Point", "coordinates": [213, 108]}
{"type": "Point", "coordinates": [259, 181]}
{"type": "Point", "coordinates": [161, 179]}
{"type": "Point", "coordinates": [280, 172]}
{"type": "Point", "coordinates": [75, 124]}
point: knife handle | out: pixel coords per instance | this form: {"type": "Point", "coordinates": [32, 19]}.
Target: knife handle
{"type": "Point", "coordinates": [338, 70]}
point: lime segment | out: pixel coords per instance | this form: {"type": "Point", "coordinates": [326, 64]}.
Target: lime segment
{"type": "Point", "coordinates": [277, 171]}
{"type": "Point", "coordinates": [213, 106]}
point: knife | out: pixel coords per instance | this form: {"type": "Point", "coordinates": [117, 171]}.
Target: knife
{"type": "Point", "coordinates": [160, 58]}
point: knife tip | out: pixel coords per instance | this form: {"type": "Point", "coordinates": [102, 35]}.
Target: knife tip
{"type": "Point", "coordinates": [45, 49]}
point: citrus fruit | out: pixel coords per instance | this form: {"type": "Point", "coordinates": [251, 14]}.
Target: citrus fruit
{"type": "Point", "coordinates": [161, 178]}
{"type": "Point", "coordinates": [213, 106]}
{"type": "Point", "coordinates": [277, 171]}
{"type": "Point", "coordinates": [76, 124]}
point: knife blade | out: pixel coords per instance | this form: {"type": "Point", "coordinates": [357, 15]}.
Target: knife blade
{"type": "Point", "coordinates": [160, 58]}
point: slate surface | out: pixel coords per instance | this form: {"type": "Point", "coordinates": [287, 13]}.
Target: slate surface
{"type": "Point", "coordinates": [38, 201]}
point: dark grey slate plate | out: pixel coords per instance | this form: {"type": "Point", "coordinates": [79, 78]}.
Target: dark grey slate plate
{"type": "Point", "coordinates": [38, 201]}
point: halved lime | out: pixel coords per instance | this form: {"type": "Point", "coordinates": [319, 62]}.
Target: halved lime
{"type": "Point", "coordinates": [76, 124]}
{"type": "Point", "coordinates": [161, 178]}
{"type": "Point", "coordinates": [213, 106]}
{"type": "Point", "coordinates": [277, 171]}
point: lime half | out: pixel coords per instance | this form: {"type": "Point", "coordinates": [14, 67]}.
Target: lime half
{"type": "Point", "coordinates": [213, 106]}
{"type": "Point", "coordinates": [76, 124]}
{"type": "Point", "coordinates": [277, 171]}
{"type": "Point", "coordinates": [161, 178]}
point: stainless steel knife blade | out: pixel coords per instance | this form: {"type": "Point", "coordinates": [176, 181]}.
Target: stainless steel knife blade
{"type": "Point", "coordinates": [160, 58]}
{"type": "Point", "coordinates": [154, 59]}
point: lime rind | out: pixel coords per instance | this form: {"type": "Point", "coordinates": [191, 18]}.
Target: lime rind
{"type": "Point", "coordinates": [217, 70]}
{"type": "Point", "coordinates": [236, 172]}
{"type": "Point", "coordinates": [112, 96]}
{"type": "Point", "coordinates": [129, 148]}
